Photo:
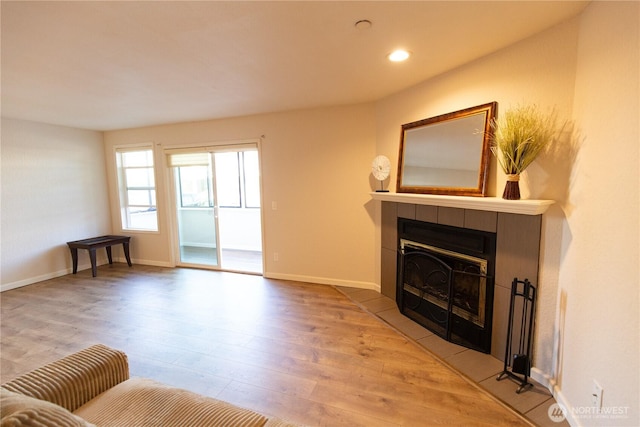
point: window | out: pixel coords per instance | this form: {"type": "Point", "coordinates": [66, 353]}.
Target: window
{"type": "Point", "coordinates": [238, 179]}
{"type": "Point", "coordinates": [237, 176]}
{"type": "Point", "coordinates": [193, 186]}
{"type": "Point", "coordinates": [137, 189]}
{"type": "Point", "coordinates": [228, 179]}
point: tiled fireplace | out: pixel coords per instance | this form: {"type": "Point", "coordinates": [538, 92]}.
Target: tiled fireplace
{"type": "Point", "coordinates": [515, 224]}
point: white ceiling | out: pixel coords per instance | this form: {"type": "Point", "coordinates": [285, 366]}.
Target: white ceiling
{"type": "Point", "coordinates": [116, 65]}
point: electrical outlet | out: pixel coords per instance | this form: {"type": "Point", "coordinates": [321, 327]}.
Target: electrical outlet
{"type": "Point", "coordinates": [596, 395]}
{"type": "Point", "coordinates": [276, 257]}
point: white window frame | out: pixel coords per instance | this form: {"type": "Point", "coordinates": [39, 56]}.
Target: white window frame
{"type": "Point", "coordinates": [242, 181]}
{"type": "Point", "coordinates": [124, 206]}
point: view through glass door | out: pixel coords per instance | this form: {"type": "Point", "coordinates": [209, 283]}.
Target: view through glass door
{"type": "Point", "coordinates": [217, 198]}
{"type": "Point", "coordinates": [196, 209]}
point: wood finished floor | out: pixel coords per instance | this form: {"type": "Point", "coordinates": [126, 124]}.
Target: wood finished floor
{"type": "Point", "coordinates": [295, 350]}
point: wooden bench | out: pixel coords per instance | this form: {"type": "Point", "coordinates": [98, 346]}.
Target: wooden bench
{"type": "Point", "coordinates": [95, 243]}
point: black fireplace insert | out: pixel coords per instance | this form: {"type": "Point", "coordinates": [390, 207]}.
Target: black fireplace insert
{"type": "Point", "coordinates": [445, 280]}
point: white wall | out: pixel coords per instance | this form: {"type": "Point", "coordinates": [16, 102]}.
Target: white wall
{"type": "Point", "coordinates": [240, 229]}
{"type": "Point", "coordinates": [599, 276]}
{"type": "Point", "coordinates": [197, 227]}
{"type": "Point", "coordinates": [53, 191]}
{"type": "Point", "coordinates": [316, 168]}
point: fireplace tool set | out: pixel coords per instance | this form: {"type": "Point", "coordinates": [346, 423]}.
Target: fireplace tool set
{"type": "Point", "coordinates": [517, 357]}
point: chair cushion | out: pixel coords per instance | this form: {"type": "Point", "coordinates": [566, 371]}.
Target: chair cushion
{"type": "Point", "coordinates": [17, 410]}
{"type": "Point", "coordinates": [141, 401]}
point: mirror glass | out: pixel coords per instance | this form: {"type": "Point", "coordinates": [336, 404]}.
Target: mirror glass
{"type": "Point", "coordinates": [447, 154]}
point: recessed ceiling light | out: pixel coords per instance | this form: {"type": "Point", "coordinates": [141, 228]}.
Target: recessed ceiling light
{"type": "Point", "coordinates": [399, 55]}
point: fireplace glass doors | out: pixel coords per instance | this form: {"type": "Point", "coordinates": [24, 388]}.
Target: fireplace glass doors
{"type": "Point", "coordinates": [446, 279]}
{"type": "Point", "coordinates": [448, 291]}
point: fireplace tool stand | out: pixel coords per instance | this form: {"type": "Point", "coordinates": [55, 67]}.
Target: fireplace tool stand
{"type": "Point", "coordinates": [517, 356]}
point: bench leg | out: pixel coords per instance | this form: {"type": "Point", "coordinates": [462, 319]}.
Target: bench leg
{"type": "Point", "coordinates": [125, 246]}
{"type": "Point", "coordinates": [92, 257]}
{"type": "Point", "coordinates": [74, 259]}
{"type": "Point", "coordinates": [108, 248]}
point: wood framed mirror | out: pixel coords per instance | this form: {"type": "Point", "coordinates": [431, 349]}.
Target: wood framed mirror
{"type": "Point", "coordinates": [447, 154]}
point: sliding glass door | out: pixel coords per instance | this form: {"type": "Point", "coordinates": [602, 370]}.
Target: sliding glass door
{"type": "Point", "coordinates": [217, 207]}
{"type": "Point", "coordinates": [196, 209]}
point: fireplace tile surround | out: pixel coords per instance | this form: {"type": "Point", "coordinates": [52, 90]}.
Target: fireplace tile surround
{"type": "Point", "coordinates": [517, 227]}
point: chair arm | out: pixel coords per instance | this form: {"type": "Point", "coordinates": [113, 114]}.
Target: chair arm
{"type": "Point", "coordinates": [75, 379]}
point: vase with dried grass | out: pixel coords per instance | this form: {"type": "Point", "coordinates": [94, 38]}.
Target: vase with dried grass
{"type": "Point", "coordinates": [519, 136]}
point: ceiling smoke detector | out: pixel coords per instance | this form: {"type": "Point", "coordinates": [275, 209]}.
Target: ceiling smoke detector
{"type": "Point", "coordinates": [363, 24]}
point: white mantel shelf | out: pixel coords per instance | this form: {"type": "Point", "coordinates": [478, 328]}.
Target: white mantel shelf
{"type": "Point", "coordinates": [492, 204]}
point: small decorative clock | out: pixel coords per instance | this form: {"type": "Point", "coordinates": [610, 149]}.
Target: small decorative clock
{"type": "Point", "coordinates": [380, 169]}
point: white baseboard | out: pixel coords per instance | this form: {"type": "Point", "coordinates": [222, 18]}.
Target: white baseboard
{"type": "Point", "coordinates": [198, 245]}
{"type": "Point", "coordinates": [568, 414]}
{"type": "Point", "coordinates": [323, 281]}
{"type": "Point", "coordinates": [551, 385]}
{"type": "Point", "coordinates": [145, 262]}
{"type": "Point", "coordinates": [31, 280]}
{"type": "Point", "coordinates": [542, 378]}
